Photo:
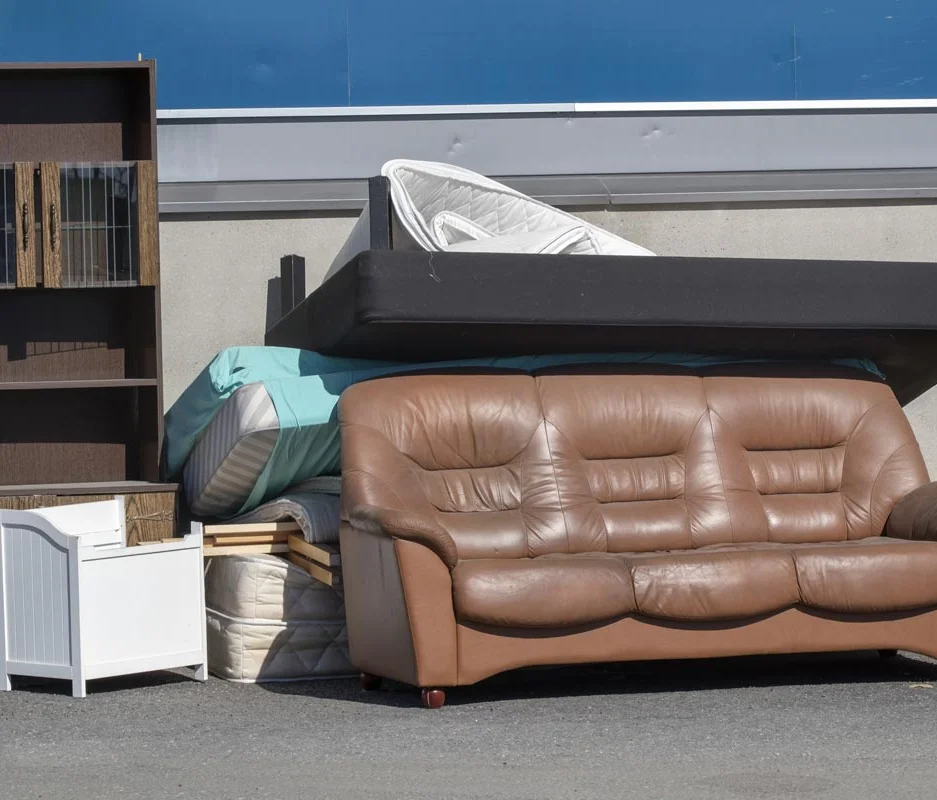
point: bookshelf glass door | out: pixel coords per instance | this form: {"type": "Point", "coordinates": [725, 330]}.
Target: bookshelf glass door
{"type": "Point", "coordinates": [97, 225]}
{"type": "Point", "coordinates": [7, 226]}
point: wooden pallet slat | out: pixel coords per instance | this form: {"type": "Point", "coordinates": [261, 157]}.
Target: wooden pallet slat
{"type": "Point", "coordinates": [227, 540]}
{"type": "Point", "coordinates": [323, 554]}
{"type": "Point", "coordinates": [244, 528]}
{"type": "Point", "coordinates": [246, 549]}
{"type": "Point", "coordinates": [323, 574]}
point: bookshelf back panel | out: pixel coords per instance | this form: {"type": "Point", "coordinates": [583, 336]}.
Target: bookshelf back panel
{"type": "Point", "coordinates": [74, 435]}
{"type": "Point", "coordinates": [75, 113]}
{"type": "Point", "coordinates": [79, 334]}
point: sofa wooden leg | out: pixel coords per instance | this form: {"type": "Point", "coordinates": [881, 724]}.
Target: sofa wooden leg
{"type": "Point", "coordinates": [433, 698]}
{"type": "Point", "coordinates": [888, 653]}
{"type": "Point", "coordinates": [370, 683]}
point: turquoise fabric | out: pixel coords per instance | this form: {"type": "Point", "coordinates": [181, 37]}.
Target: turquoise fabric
{"type": "Point", "coordinates": [229, 371]}
{"type": "Point", "coordinates": [305, 388]}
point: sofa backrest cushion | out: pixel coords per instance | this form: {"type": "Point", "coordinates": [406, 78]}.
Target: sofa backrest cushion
{"type": "Point", "coordinates": [518, 466]}
{"type": "Point", "coordinates": [470, 451]}
{"type": "Point", "coordinates": [811, 460]}
{"type": "Point", "coordinates": [635, 462]}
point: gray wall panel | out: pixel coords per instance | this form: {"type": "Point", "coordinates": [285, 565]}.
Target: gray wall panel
{"type": "Point", "coordinates": [333, 148]}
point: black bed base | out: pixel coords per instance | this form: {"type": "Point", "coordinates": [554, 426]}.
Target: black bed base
{"type": "Point", "coordinates": [409, 305]}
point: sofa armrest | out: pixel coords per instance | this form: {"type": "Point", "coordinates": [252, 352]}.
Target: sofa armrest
{"type": "Point", "coordinates": [405, 525]}
{"type": "Point", "coordinates": [915, 515]}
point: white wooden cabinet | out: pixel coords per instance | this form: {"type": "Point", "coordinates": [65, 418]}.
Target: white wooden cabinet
{"type": "Point", "coordinates": [77, 603]}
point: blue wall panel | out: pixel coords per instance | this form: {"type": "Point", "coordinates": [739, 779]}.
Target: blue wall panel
{"type": "Point", "coordinates": [245, 53]}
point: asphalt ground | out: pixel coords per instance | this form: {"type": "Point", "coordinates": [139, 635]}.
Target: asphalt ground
{"type": "Point", "coordinates": [833, 726]}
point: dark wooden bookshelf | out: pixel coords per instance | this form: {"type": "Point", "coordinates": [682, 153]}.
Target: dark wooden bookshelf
{"type": "Point", "coordinates": [80, 365]}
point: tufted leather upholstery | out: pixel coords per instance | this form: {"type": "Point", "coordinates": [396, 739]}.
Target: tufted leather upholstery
{"type": "Point", "coordinates": [474, 461]}
{"type": "Point", "coordinates": [561, 501]}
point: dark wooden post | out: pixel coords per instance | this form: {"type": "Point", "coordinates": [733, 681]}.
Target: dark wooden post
{"type": "Point", "coordinates": [292, 283]}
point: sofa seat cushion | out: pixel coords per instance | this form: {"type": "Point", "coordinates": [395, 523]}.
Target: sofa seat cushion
{"type": "Point", "coordinates": [866, 576]}
{"type": "Point", "coordinates": [727, 583]}
{"type": "Point", "coordinates": [548, 592]}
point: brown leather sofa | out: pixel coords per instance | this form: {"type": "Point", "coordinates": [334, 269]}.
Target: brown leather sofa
{"type": "Point", "coordinates": [498, 521]}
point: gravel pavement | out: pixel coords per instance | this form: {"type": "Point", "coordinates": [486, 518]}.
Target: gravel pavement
{"type": "Point", "coordinates": [843, 726]}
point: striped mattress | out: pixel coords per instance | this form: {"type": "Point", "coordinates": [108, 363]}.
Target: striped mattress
{"type": "Point", "coordinates": [231, 455]}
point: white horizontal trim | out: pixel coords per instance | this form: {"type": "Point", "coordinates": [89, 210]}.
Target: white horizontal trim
{"type": "Point", "coordinates": [367, 111]}
{"type": "Point", "coordinates": [133, 666]}
{"type": "Point", "coordinates": [37, 669]}
{"type": "Point", "coordinates": [714, 107]}
{"type": "Point", "coordinates": [735, 106]}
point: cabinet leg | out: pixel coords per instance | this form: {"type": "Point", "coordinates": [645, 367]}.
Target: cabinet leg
{"type": "Point", "coordinates": [433, 698]}
{"type": "Point", "coordinates": [201, 673]}
{"type": "Point", "coordinates": [370, 683]}
{"type": "Point", "coordinates": [78, 688]}
{"type": "Point", "coordinates": [5, 685]}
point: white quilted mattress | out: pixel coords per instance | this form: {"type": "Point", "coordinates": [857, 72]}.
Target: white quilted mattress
{"type": "Point", "coordinates": [443, 207]}
{"type": "Point", "coordinates": [270, 621]}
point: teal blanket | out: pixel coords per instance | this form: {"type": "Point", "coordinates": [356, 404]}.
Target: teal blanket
{"type": "Point", "coordinates": [305, 388]}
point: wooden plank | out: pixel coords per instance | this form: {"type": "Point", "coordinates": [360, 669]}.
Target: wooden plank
{"type": "Point", "coordinates": [51, 225]}
{"type": "Point", "coordinates": [321, 553]}
{"type": "Point", "coordinates": [25, 215]}
{"type": "Point", "coordinates": [250, 528]}
{"type": "Point", "coordinates": [317, 571]}
{"type": "Point", "coordinates": [105, 383]}
{"type": "Point", "coordinates": [109, 488]}
{"type": "Point", "coordinates": [148, 222]}
{"type": "Point", "coordinates": [150, 517]}
{"type": "Point", "coordinates": [229, 540]}
{"type": "Point", "coordinates": [243, 549]}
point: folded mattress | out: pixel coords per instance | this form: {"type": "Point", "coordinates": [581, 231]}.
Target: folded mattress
{"type": "Point", "coordinates": [422, 306]}
{"type": "Point", "coordinates": [268, 620]}
{"type": "Point", "coordinates": [231, 465]}
{"type": "Point", "coordinates": [314, 505]}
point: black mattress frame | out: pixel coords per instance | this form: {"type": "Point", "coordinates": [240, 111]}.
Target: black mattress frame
{"type": "Point", "coordinates": [412, 305]}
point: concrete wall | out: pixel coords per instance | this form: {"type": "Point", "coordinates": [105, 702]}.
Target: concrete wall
{"type": "Point", "coordinates": [217, 272]}
{"type": "Point", "coordinates": [216, 281]}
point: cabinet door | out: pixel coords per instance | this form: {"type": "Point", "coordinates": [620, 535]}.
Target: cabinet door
{"type": "Point", "coordinates": [51, 225]}
{"type": "Point", "coordinates": [91, 222]}
{"type": "Point", "coordinates": [8, 226]}
{"type": "Point", "coordinates": [17, 226]}
{"type": "Point", "coordinates": [148, 222]}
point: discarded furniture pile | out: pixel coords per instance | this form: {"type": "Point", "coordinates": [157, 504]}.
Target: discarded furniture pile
{"type": "Point", "coordinates": [707, 458]}
{"type": "Point", "coordinates": [495, 436]}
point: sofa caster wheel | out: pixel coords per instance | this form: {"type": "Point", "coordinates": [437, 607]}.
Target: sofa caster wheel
{"type": "Point", "coordinates": [370, 683]}
{"type": "Point", "coordinates": [887, 653]}
{"type": "Point", "coordinates": [433, 698]}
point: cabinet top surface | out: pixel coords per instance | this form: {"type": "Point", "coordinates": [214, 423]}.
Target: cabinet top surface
{"type": "Point", "coordinates": [109, 487]}
{"type": "Point", "coordinates": [75, 66]}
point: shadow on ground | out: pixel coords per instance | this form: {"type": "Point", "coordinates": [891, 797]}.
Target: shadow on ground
{"type": "Point", "coordinates": [103, 685]}
{"type": "Point", "coordinates": [576, 681]}
{"type": "Point", "coordinates": [643, 677]}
